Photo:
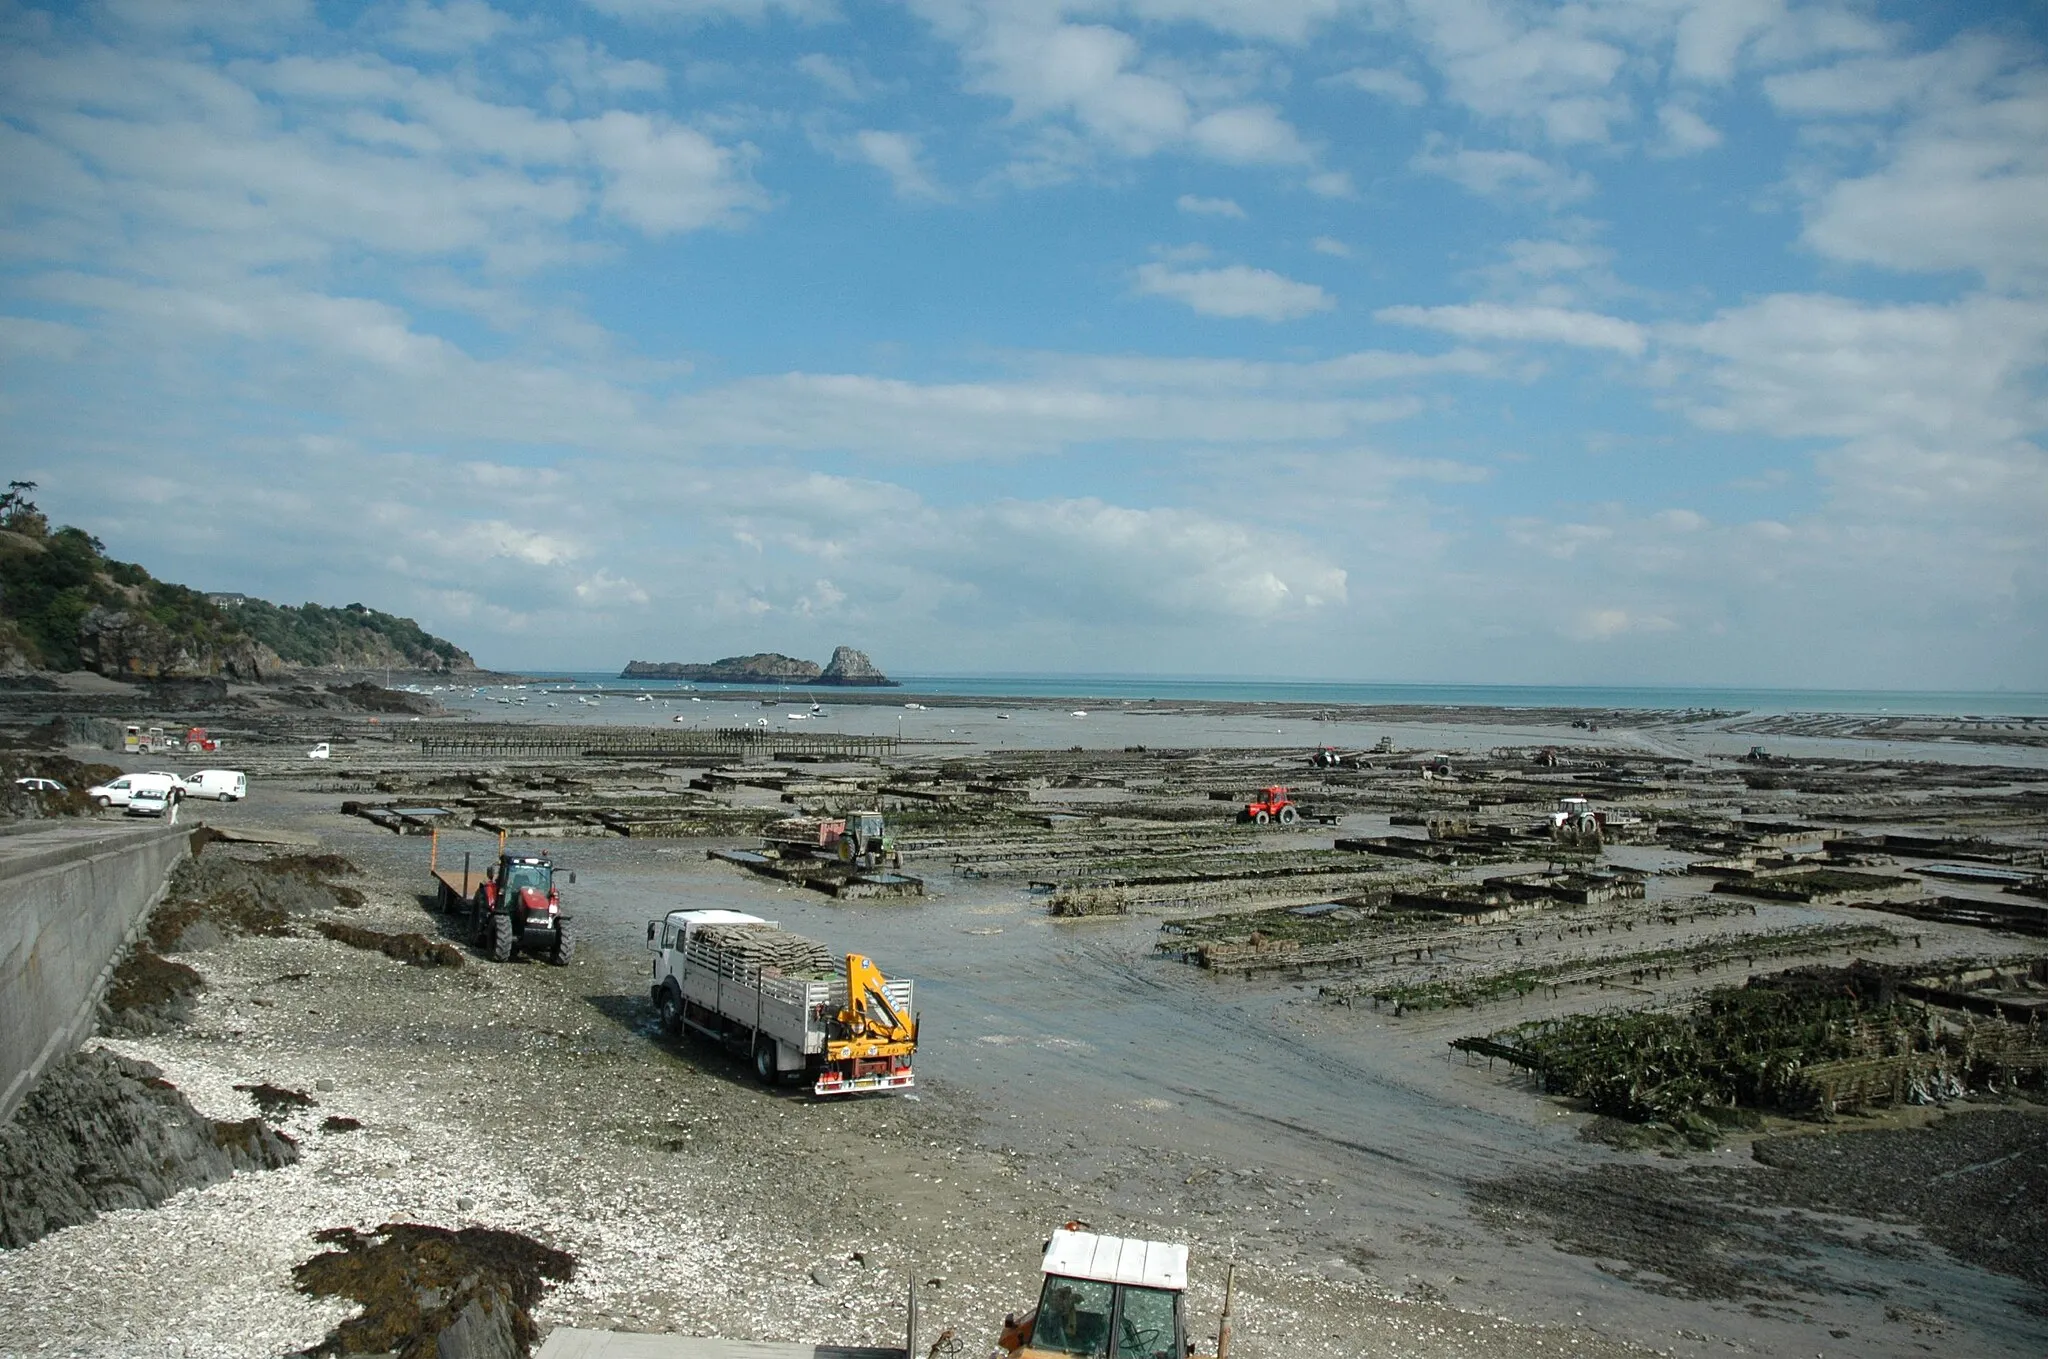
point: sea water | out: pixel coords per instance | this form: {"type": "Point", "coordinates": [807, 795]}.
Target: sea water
{"type": "Point", "coordinates": [1169, 689]}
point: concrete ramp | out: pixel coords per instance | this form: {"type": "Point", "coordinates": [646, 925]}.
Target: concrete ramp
{"type": "Point", "coordinates": [569, 1342]}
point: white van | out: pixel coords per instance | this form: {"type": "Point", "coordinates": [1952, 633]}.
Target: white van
{"type": "Point", "coordinates": [222, 785]}
{"type": "Point", "coordinates": [119, 791]}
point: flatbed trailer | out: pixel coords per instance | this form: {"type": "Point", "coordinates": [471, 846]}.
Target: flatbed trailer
{"type": "Point", "coordinates": [458, 889]}
{"type": "Point", "coordinates": [842, 1039]}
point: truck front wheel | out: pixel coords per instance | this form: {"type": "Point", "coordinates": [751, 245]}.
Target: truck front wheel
{"type": "Point", "coordinates": [671, 1009]}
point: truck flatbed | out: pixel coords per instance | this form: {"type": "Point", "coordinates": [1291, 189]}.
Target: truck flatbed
{"type": "Point", "coordinates": [570, 1342]}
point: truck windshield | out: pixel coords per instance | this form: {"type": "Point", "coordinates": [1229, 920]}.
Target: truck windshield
{"type": "Point", "coordinates": [521, 876]}
{"type": "Point", "coordinates": [1073, 1317]}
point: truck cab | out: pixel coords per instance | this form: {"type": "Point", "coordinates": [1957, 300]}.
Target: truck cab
{"type": "Point", "coordinates": [1105, 1297]}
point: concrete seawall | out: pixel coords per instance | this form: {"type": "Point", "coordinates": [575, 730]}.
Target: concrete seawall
{"type": "Point", "coordinates": [70, 897]}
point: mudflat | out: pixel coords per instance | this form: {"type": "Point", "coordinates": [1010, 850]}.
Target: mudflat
{"type": "Point", "coordinates": [1141, 1013]}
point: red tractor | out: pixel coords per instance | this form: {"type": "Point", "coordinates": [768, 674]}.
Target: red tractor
{"type": "Point", "coordinates": [1272, 805]}
{"type": "Point", "coordinates": [514, 906]}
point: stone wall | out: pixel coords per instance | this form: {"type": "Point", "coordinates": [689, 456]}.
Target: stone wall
{"type": "Point", "coordinates": [70, 898]}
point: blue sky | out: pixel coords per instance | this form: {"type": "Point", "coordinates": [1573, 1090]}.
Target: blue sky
{"type": "Point", "coordinates": [1416, 340]}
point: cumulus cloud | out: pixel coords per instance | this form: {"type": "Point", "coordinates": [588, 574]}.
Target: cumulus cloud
{"type": "Point", "coordinates": [1685, 132]}
{"type": "Point", "coordinates": [1541, 325]}
{"type": "Point", "coordinates": [836, 77]}
{"type": "Point", "coordinates": [1208, 207]}
{"type": "Point", "coordinates": [1386, 82]}
{"type": "Point", "coordinates": [1550, 69]}
{"type": "Point", "coordinates": [899, 156]}
{"type": "Point", "coordinates": [1097, 79]}
{"type": "Point", "coordinates": [1501, 174]}
{"type": "Point", "coordinates": [1963, 184]}
{"type": "Point", "coordinates": [1235, 291]}
{"type": "Point", "coordinates": [1249, 134]}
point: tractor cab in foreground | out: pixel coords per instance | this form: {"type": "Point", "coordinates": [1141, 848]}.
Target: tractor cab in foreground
{"type": "Point", "coordinates": [1106, 1297]}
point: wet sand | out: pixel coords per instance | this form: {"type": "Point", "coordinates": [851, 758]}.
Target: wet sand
{"type": "Point", "coordinates": [1380, 1194]}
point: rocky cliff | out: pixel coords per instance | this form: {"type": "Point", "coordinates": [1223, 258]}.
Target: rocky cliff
{"type": "Point", "coordinates": [847, 667]}
{"type": "Point", "coordinates": [128, 644]}
{"type": "Point", "coordinates": [65, 606]}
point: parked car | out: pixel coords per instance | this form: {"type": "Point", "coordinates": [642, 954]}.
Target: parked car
{"type": "Point", "coordinates": [323, 751]}
{"type": "Point", "coordinates": [177, 782]}
{"type": "Point", "coordinates": [35, 785]}
{"type": "Point", "coordinates": [152, 801]}
{"type": "Point", "coordinates": [222, 785]}
{"type": "Point", "coordinates": [118, 792]}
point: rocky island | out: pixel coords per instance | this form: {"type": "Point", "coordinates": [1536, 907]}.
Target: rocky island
{"type": "Point", "coordinates": [846, 668]}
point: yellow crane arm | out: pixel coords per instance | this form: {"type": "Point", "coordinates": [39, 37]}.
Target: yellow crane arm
{"type": "Point", "coordinates": [874, 1027]}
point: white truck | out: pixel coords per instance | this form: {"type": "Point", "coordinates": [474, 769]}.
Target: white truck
{"type": "Point", "coordinates": [783, 1000]}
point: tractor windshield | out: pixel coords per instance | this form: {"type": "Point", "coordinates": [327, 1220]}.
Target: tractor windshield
{"type": "Point", "coordinates": [1147, 1324]}
{"type": "Point", "coordinates": [1073, 1317]}
{"type": "Point", "coordinates": [519, 877]}
{"type": "Point", "coordinates": [1086, 1317]}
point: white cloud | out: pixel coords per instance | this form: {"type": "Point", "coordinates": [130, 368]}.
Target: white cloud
{"type": "Point", "coordinates": [1502, 174]}
{"type": "Point", "coordinates": [1098, 77]}
{"type": "Point", "coordinates": [1807, 365]}
{"type": "Point", "coordinates": [28, 337]}
{"type": "Point", "coordinates": [835, 76]}
{"type": "Point", "coordinates": [1248, 134]}
{"type": "Point", "coordinates": [1542, 325]}
{"type": "Point", "coordinates": [899, 156]}
{"type": "Point", "coordinates": [649, 11]}
{"type": "Point", "coordinates": [1547, 68]}
{"type": "Point", "coordinates": [1235, 291]}
{"type": "Point", "coordinates": [664, 178]}
{"type": "Point", "coordinates": [1711, 36]}
{"type": "Point", "coordinates": [1083, 558]}
{"type": "Point", "coordinates": [1331, 184]}
{"type": "Point", "coordinates": [1603, 625]}
{"type": "Point", "coordinates": [1963, 184]}
{"type": "Point", "coordinates": [1208, 207]}
{"type": "Point", "coordinates": [456, 26]}
{"type": "Point", "coordinates": [1330, 245]}
{"type": "Point", "coordinates": [1685, 132]}
{"type": "Point", "coordinates": [603, 588]}
{"type": "Point", "coordinates": [518, 542]}
{"type": "Point", "coordinates": [1289, 21]}
{"type": "Point", "coordinates": [1386, 82]}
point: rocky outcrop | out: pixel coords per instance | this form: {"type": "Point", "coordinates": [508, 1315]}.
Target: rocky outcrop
{"type": "Point", "coordinates": [847, 667]}
{"type": "Point", "coordinates": [101, 1132]}
{"type": "Point", "coordinates": [121, 644]}
{"type": "Point", "coordinates": [766, 667]}
{"type": "Point", "coordinates": [464, 1294]}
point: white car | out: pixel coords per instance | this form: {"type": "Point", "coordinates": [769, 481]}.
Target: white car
{"type": "Point", "coordinates": [152, 801]}
{"type": "Point", "coordinates": [119, 792]}
{"type": "Point", "coordinates": [33, 785]}
{"type": "Point", "coordinates": [222, 785]}
{"type": "Point", "coordinates": [323, 751]}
